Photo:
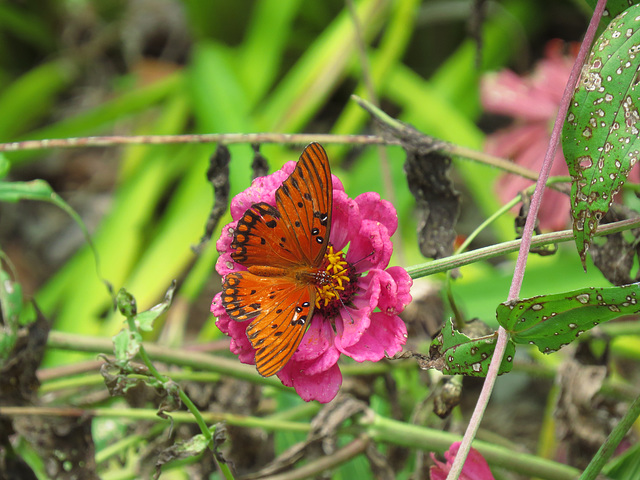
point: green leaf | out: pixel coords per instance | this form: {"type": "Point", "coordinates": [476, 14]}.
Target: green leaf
{"type": "Point", "coordinates": [126, 303]}
{"type": "Point", "coordinates": [39, 190]}
{"type": "Point", "coordinates": [553, 321]}
{"type": "Point", "coordinates": [180, 450]}
{"type": "Point", "coordinates": [454, 353]}
{"type": "Point", "coordinates": [613, 9]}
{"type": "Point", "coordinates": [625, 465]}
{"type": "Point", "coordinates": [126, 345]}
{"type": "Point", "coordinates": [5, 165]}
{"type": "Point", "coordinates": [10, 300]}
{"type": "Point", "coordinates": [144, 320]}
{"type": "Point", "coordinates": [600, 135]}
{"type": "Point", "coordinates": [11, 303]}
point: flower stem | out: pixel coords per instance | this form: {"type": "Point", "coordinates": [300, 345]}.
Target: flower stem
{"type": "Point", "coordinates": [168, 385]}
{"type": "Point", "coordinates": [527, 234]}
{"type": "Point", "coordinates": [171, 387]}
{"type": "Point", "coordinates": [485, 253]}
{"type": "Point", "coordinates": [413, 436]}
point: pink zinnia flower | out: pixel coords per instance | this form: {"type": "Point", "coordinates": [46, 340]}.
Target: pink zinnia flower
{"type": "Point", "coordinates": [475, 467]}
{"type": "Point", "coordinates": [533, 102]}
{"type": "Point", "coordinates": [364, 323]}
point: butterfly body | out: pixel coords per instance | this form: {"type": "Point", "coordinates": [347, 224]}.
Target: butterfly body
{"type": "Point", "coordinates": [283, 249]}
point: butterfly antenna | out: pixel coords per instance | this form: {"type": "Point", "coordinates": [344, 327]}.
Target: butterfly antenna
{"type": "Point", "coordinates": [370, 254]}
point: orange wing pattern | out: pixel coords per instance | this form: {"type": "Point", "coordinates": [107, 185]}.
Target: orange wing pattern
{"type": "Point", "coordinates": [305, 201]}
{"type": "Point", "coordinates": [283, 248]}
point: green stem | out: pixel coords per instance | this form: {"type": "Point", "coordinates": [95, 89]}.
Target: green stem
{"type": "Point", "coordinates": [184, 357]}
{"type": "Point", "coordinates": [267, 424]}
{"type": "Point", "coordinates": [440, 145]}
{"type": "Point", "coordinates": [455, 261]}
{"type": "Point", "coordinates": [413, 436]}
{"type": "Point", "coordinates": [168, 384]}
{"type": "Point", "coordinates": [459, 319]}
{"type": "Point", "coordinates": [608, 448]}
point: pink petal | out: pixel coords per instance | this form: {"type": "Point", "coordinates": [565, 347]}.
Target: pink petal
{"type": "Point", "coordinates": [385, 336]}
{"type": "Point", "coordinates": [395, 290]}
{"type": "Point", "coordinates": [372, 207]}
{"type": "Point", "coordinates": [507, 94]}
{"type": "Point", "coordinates": [554, 211]}
{"type": "Point", "coordinates": [216, 305]}
{"type": "Point", "coordinates": [262, 189]}
{"type": "Point", "coordinates": [317, 339]}
{"type": "Point", "coordinates": [354, 320]}
{"type": "Point", "coordinates": [322, 387]}
{"type": "Point", "coordinates": [345, 220]}
{"type": "Point", "coordinates": [475, 466]}
{"type": "Point", "coordinates": [371, 248]}
{"type": "Point", "coordinates": [225, 264]}
{"type": "Point", "coordinates": [240, 344]}
{"type": "Point", "coordinates": [324, 361]}
{"type": "Point", "coordinates": [509, 142]}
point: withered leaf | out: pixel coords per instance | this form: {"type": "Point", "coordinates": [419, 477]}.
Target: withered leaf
{"type": "Point", "coordinates": [218, 176]}
{"type": "Point", "coordinates": [260, 166]}
{"type": "Point", "coordinates": [437, 202]}
{"type": "Point", "coordinates": [427, 168]}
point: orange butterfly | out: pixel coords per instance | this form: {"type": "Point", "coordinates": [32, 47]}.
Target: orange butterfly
{"type": "Point", "coordinates": [283, 249]}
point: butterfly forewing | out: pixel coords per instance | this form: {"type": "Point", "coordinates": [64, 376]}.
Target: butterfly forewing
{"type": "Point", "coordinates": [305, 201]}
{"type": "Point", "coordinates": [261, 238]}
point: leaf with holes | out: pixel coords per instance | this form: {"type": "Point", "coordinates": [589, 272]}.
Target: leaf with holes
{"type": "Point", "coordinates": [613, 9]}
{"type": "Point", "coordinates": [553, 321]}
{"type": "Point", "coordinates": [454, 353]}
{"type": "Point", "coordinates": [600, 136]}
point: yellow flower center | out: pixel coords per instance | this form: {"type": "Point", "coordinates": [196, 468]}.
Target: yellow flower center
{"type": "Point", "coordinates": [336, 277]}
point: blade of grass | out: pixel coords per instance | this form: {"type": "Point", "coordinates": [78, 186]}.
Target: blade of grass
{"type": "Point", "coordinates": [29, 99]}
{"type": "Point", "coordinates": [307, 85]}
{"type": "Point", "coordinates": [263, 48]}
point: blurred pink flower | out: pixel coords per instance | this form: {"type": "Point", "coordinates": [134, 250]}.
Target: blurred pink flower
{"type": "Point", "coordinates": [475, 467]}
{"type": "Point", "coordinates": [533, 102]}
{"type": "Point", "coordinates": [344, 326]}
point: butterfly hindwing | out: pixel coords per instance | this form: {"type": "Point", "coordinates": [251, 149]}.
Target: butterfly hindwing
{"type": "Point", "coordinates": [305, 202]}
{"type": "Point", "coordinates": [280, 311]}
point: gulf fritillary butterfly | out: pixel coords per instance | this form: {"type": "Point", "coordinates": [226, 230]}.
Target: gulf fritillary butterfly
{"type": "Point", "coordinates": [283, 249]}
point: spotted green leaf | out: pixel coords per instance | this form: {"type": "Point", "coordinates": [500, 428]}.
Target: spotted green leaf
{"type": "Point", "coordinates": [553, 321]}
{"type": "Point", "coordinates": [613, 9]}
{"type": "Point", "coordinates": [600, 136]}
{"type": "Point", "coordinates": [454, 353]}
